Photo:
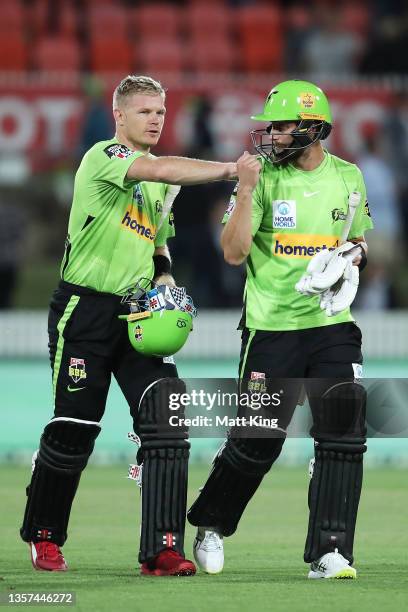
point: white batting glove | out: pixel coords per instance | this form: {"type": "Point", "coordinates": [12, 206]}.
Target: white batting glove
{"type": "Point", "coordinates": [326, 268]}
{"type": "Point", "coordinates": [335, 300]}
{"type": "Point", "coordinates": [316, 266]}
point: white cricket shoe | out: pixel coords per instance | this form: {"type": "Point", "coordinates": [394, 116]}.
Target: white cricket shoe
{"type": "Point", "coordinates": [208, 550]}
{"type": "Point", "coordinates": [332, 565]}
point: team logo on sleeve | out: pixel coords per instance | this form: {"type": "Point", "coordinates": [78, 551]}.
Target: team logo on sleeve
{"type": "Point", "coordinates": [284, 214]}
{"type": "Point", "coordinates": [77, 369]}
{"type": "Point", "coordinates": [118, 150]}
{"type": "Point", "coordinates": [367, 209]}
{"type": "Point", "coordinates": [138, 195]}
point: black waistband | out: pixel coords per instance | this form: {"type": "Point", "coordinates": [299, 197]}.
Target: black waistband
{"type": "Point", "coordinates": [80, 290]}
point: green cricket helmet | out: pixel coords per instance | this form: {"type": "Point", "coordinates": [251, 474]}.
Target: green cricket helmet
{"type": "Point", "coordinates": [292, 101]}
{"type": "Point", "coordinates": [160, 319]}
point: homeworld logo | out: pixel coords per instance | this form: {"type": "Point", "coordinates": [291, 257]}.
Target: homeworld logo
{"type": "Point", "coordinates": [137, 221]}
{"type": "Point", "coordinates": [284, 214]}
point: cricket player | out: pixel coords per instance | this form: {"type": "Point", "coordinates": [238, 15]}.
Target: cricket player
{"type": "Point", "coordinates": [287, 218]}
{"type": "Point", "coordinates": [118, 229]}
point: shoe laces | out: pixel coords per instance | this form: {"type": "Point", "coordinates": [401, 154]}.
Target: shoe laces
{"type": "Point", "coordinates": [321, 567]}
{"type": "Point", "coordinates": [212, 541]}
{"type": "Point", "coordinates": [322, 564]}
{"type": "Point", "coordinates": [47, 550]}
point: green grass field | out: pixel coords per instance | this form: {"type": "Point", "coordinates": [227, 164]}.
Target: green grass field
{"type": "Point", "coordinates": [264, 569]}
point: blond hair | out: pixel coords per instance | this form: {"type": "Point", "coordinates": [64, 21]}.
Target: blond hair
{"type": "Point", "coordinates": [136, 84]}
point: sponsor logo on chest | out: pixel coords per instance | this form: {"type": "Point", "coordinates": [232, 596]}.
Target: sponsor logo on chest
{"type": "Point", "coordinates": [284, 214]}
{"type": "Point", "coordinates": [302, 245]}
{"type": "Point", "coordinates": [137, 221]}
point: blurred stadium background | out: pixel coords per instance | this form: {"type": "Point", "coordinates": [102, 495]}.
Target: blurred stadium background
{"type": "Point", "coordinates": [59, 62]}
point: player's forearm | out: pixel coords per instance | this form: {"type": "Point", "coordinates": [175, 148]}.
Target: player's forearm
{"type": "Point", "coordinates": [181, 170]}
{"type": "Point", "coordinates": [236, 238]}
{"type": "Point", "coordinates": [162, 250]}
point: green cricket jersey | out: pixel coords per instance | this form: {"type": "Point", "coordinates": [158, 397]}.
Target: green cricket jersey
{"type": "Point", "coordinates": [295, 214]}
{"type": "Point", "coordinates": [115, 223]}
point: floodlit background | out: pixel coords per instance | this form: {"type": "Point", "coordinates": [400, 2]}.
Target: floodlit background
{"type": "Point", "coordinates": [59, 62]}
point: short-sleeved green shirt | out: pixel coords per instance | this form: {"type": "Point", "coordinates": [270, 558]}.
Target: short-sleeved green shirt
{"type": "Point", "coordinates": [115, 223]}
{"type": "Point", "coordinates": [295, 214]}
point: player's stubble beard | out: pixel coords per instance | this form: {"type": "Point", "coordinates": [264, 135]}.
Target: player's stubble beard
{"type": "Point", "coordinates": [294, 156]}
{"type": "Point", "coordinates": [289, 159]}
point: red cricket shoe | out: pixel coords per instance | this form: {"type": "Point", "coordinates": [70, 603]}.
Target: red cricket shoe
{"type": "Point", "coordinates": [168, 563]}
{"type": "Point", "coordinates": [47, 556]}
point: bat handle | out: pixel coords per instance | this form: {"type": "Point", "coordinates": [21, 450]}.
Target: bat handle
{"type": "Point", "coordinates": [353, 201]}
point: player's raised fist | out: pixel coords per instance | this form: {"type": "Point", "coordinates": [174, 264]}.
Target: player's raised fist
{"type": "Point", "coordinates": [248, 170]}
